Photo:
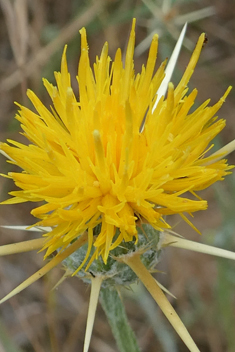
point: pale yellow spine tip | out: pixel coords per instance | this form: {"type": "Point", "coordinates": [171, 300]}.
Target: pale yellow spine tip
{"type": "Point", "coordinates": [94, 298]}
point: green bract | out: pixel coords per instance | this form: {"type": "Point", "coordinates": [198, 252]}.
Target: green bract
{"type": "Point", "coordinates": [116, 272]}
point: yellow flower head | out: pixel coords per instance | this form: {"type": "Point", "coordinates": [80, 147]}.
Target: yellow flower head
{"type": "Point", "coordinates": [116, 155]}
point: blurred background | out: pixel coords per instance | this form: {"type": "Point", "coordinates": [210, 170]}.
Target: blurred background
{"type": "Point", "coordinates": [32, 37]}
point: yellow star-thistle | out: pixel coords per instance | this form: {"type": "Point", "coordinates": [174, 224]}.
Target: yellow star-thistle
{"type": "Point", "coordinates": [112, 156]}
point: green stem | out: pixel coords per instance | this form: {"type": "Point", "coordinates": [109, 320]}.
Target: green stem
{"type": "Point", "coordinates": [115, 312]}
